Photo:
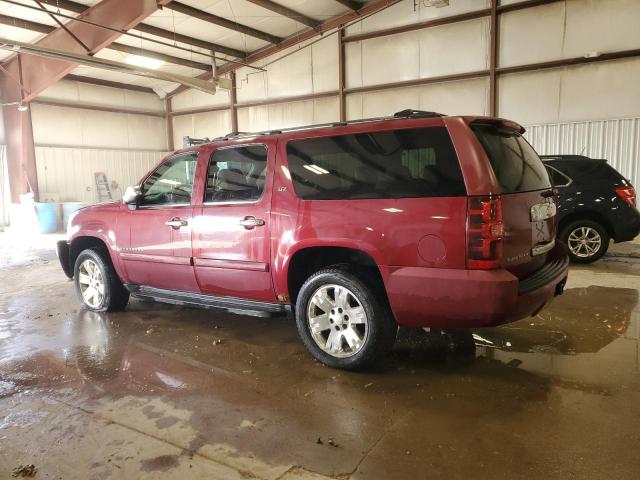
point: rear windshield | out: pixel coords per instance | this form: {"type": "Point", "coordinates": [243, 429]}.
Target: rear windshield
{"type": "Point", "coordinates": [515, 163]}
{"type": "Point", "coordinates": [587, 171]}
{"type": "Point", "coordinates": [404, 163]}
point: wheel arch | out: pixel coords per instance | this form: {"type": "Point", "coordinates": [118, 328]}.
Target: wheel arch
{"type": "Point", "coordinates": [305, 261]}
{"type": "Point", "coordinates": [80, 243]}
{"type": "Point", "coordinates": [587, 215]}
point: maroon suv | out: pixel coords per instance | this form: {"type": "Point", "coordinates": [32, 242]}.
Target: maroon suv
{"type": "Point", "coordinates": [415, 220]}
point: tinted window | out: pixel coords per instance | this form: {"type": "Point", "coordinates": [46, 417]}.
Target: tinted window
{"type": "Point", "coordinates": [236, 174]}
{"type": "Point", "coordinates": [557, 179]}
{"type": "Point", "coordinates": [588, 171]}
{"type": "Point", "coordinates": [515, 163]}
{"type": "Point", "coordinates": [172, 182]}
{"type": "Point", "coordinates": [390, 164]}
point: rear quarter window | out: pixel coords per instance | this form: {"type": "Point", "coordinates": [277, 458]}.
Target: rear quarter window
{"type": "Point", "coordinates": [515, 163]}
{"type": "Point", "coordinates": [389, 164]}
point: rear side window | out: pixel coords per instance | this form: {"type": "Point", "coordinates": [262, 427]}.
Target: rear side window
{"type": "Point", "coordinates": [558, 179]}
{"type": "Point", "coordinates": [236, 174]}
{"type": "Point", "coordinates": [515, 163]}
{"type": "Point", "coordinates": [588, 171]}
{"type": "Point", "coordinates": [390, 164]}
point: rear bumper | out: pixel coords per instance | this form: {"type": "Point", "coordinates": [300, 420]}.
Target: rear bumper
{"type": "Point", "coordinates": [62, 249]}
{"type": "Point", "coordinates": [429, 297]}
{"type": "Point", "coordinates": [627, 225]}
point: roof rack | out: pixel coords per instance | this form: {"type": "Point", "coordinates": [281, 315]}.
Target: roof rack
{"type": "Point", "coordinates": [408, 113]}
{"type": "Point", "coordinates": [188, 141]}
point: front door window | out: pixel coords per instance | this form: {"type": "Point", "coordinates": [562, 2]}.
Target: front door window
{"type": "Point", "coordinates": [171, 183]}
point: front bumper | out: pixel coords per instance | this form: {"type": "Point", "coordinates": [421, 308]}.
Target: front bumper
{"type": "Point", "coordinates": [63, 250]}
{"type": "Point", "coordinates": [448, 298]}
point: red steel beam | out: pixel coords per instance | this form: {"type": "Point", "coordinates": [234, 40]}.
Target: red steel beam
{"type": "Point", "coordinates": [29, 75]}
{"type": "Point", "coordinates": [493, 59]}
{"type": "Point", "coordinates": [300, 37]}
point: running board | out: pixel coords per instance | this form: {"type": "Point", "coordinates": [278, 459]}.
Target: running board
{"type": "Point", "coordinates": [230, 304]}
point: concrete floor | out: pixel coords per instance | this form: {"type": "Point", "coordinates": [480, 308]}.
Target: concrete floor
{"type": "Point", "coordinates": [165, 392]}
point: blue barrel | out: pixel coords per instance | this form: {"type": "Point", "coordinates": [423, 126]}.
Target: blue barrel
{"type": "Point", "coordinates": [47, 217]}
{"type": "Point", "coordinates": [67, 209]}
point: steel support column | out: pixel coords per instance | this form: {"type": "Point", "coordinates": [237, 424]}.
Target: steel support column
{"type": "Point", "coordinates": [169, 119]}
{"type": "Point", "coordinates": [493, 60]}
{"type": "Point", "coordinates": [232, 104]}
{"type": "Point", "coordinates": [341, 76]}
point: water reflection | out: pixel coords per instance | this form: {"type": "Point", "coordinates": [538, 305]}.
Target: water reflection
{"type": "Point", "coordinates": [583, 320]}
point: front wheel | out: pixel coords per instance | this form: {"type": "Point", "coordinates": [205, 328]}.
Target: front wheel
{"type": "Point", "coordinates": [97, 283]}
{"type": "Point", "coordinates": [587, 240]}
{"type": "Point", "coordinates": [342, 322]}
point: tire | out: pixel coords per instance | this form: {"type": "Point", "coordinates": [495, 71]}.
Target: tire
{"type": "Point", "coordinates": [93, 269]}
{"type": "Point", "coordinates": [596, 236]}
{"type": "Point", "coordinates": [361, 332]}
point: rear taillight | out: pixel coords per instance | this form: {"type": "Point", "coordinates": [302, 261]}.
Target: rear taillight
{"type": "Point", "coordinates": [485, 232]}
{"type": "Point", "coordinates": [628, 194]}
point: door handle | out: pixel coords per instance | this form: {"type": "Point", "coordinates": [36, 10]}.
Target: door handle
{"type": "Point", "coordinates": [251, 222]}
{"type": "Point", "coordinates": [176, 223]}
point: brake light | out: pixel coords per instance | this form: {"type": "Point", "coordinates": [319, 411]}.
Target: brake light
{"type": "Point", "coordinates": [485, 232]}
{"type": "Point", "coordinates": [628, 194]}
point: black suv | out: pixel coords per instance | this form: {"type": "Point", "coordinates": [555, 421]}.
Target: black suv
{"type": "Point", "coordinates": [596, 204]}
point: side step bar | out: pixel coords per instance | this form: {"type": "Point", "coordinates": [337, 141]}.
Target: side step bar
{"type": "Point", "coordinates": [230, 304]}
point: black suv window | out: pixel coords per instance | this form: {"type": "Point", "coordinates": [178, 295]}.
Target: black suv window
{"type": "Point", "coordinates": [515, 163]}
{"type": "Point", "coordinates": [558, 179]}
{"type": "Point", "coordinates": [587, 170]}
{"type": "Point", "coordinates": [405, 163]}
{"type": "Point", "coordinates": [236, 174]}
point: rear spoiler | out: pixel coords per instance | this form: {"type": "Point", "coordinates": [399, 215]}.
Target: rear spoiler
{"type": "Point", "coordinates": [500, 123]}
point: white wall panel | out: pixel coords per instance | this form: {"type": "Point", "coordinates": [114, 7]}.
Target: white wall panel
{"type": "Point", "coordinates": [70, 91]}
{"type": "Point", "coordinates": [200, 125]}
{"type": "Point", "coordinates": [568, 29]}
{"type": "Point", "coordinates": [69, 172]}
{"type": "Point", "coordinates": [293, 114]}
{"type": "Point", "coordinates": [191, 99]}
{"type": "Point", "coordinates": [466, 97]}
{"type": "Point", "coordinates": [608, 89]}
{"type": "Point", "coordinates": [64, 126]}
{"type": "Point", "coordinates": [616, 140]}
{"type": "Point", "coordinates": [299, 70]}
{"type": "Point", "coordinates": [456, 48]}
{"type": "Point", "coordinates": [390, 59]}
{"type": "Point", "coordinates": [404, 13]}
{"type": "Point", "coordinates": [433, 52]}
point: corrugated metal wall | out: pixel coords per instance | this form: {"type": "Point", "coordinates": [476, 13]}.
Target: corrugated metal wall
{"type": "Point", "coordinates": [5, 197]}
{"type": "Point", "coordinates": [617, 140]}
{"type": "Point", "coordinates": [69, 172]}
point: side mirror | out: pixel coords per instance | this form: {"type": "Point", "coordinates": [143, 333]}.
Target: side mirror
{"type": "Point", "coordinates": [132, 196]}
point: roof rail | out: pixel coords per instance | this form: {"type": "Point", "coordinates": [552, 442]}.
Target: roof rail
{"type": "Point", "coordinates": [396, 116]}
{"type": "Point", "coordinates": [188, 141]}
{"type": "Point", "coordinates": [410, 113]}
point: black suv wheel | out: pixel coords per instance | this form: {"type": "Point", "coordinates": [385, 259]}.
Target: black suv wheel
{"type": "Point", "coordinates": [97, 283]}
{"type": "Point", "coordinates": [342, 322]}
{"type": "Point", "coordinates": [587, 240]}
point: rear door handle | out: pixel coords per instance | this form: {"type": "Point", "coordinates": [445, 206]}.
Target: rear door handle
{"type": "Point", "coordinates": [251, 222]}
{"type": "Point", "coordinates": [176, 223]}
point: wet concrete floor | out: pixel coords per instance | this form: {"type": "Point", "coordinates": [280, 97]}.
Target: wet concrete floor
{"type": "Point", "coordinates": [166, 392]}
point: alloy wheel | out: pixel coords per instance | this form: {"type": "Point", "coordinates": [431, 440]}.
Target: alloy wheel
{"type": "Point", "coordinates": [584, 242]}
{"type": "Point", "coordinates": [91, 283]}
{"type": "Point", "coordinates": [337, 321]}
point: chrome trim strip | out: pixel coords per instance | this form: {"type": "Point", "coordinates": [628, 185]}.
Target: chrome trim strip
{"type": "Point", "coordinates": [544, 248]}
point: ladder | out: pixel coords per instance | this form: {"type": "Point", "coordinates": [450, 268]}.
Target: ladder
{"type": "Point", "coordinates": [102, 187]}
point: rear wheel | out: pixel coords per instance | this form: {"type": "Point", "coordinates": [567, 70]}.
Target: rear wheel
{"type": "Point", "coordinates": [97, 283]}
{"type": "Point", "coordinates": [342, 322]}
{"type": "Point", "coordinates": [587, 240]}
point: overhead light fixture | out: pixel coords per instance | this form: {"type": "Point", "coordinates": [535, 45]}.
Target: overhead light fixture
{"type": "Point", "coordinates": [316, 169]}
{"type": "Point", "coordinates": [22, 107]}
{"type": "Point", "coordinates": [141, 71]}
{"type": "Point", "coordinates": [147, 62]}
